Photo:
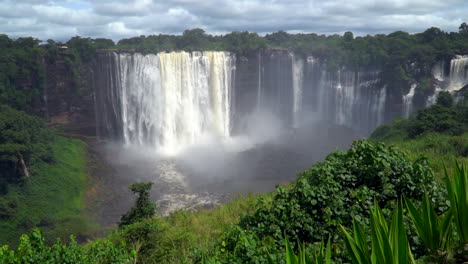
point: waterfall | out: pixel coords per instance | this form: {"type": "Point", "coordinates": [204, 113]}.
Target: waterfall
{"type": "Point", "coordinates": [458, 76]}
{"type": "Point", "coordinates": [456, 79]}
{"type": "Point", "coordinates": [259, 83]}
{"type": "Point", "coordinates": [297, 78]}
{"type": "Point", "coordinates": [170, 100]}
{"type": "Point", "coordinates": [408, 101]}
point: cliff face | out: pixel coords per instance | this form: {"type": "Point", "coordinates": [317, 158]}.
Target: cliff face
{"type": "Point", "coordinates": [118, 93]}
{"type": "Point", "coordinates": [68, 97]}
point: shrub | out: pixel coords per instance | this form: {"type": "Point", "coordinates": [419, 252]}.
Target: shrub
{"type": "Point", "coordinates": [333, 192]}
{"type": "Point", "coordinates": [32, 250]}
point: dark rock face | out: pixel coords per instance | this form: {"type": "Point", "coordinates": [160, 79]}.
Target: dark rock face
{"type": "Point", "coordinates": [67, 101]}
{"type": "Point", "coordinates": [295, 88]}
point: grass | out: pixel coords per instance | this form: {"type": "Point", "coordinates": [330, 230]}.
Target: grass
{"type": "Point", "coordinates": [52, 198]}
{"type": "Point", "coordinates": [177, 236]}
{"type": "Point", "coordinates": [442, 150]}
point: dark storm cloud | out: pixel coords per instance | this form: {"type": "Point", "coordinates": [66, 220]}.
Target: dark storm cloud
{"type": "Point", "coordinates": [61, 19]}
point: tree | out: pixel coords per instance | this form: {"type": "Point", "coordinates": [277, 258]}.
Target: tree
{"type": "Point", "coordinates": [463, 29]}
{"type": "Point", "coordinates": [444, 99]}
{"type": "Point", "coordinates": [102, 43]}
{"type": "Point", "coordinates": [348, 36]}
{"type": "Point", "coordinates": [143, 208]}
{"type": "Point", "coordinates": [83, 46]}
{"type": "Point", "coordinates": [23, 141]}
{"type": "Point", "coordinates": [194, 39]}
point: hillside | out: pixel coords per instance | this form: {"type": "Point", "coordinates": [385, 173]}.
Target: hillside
{"type": "Point", "coordinates": [48, 191]}
{"type": "Point", "coordinates": [438, 132]}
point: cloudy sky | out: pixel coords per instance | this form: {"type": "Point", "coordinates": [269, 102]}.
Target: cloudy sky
{"type": "Point", "coordinates": [116, 19]}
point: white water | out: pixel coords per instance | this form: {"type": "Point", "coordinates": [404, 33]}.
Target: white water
{"type": "Point", "coordinates": [171, 100]}
{"type": "Point", "coordinates": [297, 78]}
{"type": "Point", "coordinates": [458, 76]}
{"type": "Point", "coordinates": [408, 101]}
{"type": "Point", "coordinates": [456, 79]}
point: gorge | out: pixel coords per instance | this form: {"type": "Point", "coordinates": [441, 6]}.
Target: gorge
{"type": "Point", "coordinates": [206, 124]}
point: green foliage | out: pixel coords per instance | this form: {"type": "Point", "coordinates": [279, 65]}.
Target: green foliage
{"type": "Point", "coordinates": [143, 208]}
{"type": "Point", "coordinates": [21, 71]}
{"type": "Point", "coordinates": [83, 47]}
{"type": "Point", "coordinates": [184, 236]}
{"type": "Point", "coordinates": [444, 117]}
{"type": "Point", "coordinates": [458, 195]}
{"type": "Point", "coordinates": [389, 243]}
{"type": "Point", "coordinates": [102, 43]}
{"type": "Point", "coordinates": [321, 255]}
{"type": "Point", "coordinates": [444, 99]}
{"type": "Point", "coordinates": [145, 238]}
{"type": "Point", "coordinates": [32, 250]}
{"type": "Point", "coordinates": [24, 141]}
{"type": "Point", "coordinates": [33, 204]}
{"type": "Point", "coordinates": [434, 231]}
{"type": "Point", "coordinates": [331, 194]}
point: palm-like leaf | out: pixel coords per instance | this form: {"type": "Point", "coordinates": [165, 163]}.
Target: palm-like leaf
{"type": "Point", "coordinates": [458, 194]}
{"type": "Point", "coordinates": [433, 230]}
{"type": "Point", "coordinates": [389, 244]}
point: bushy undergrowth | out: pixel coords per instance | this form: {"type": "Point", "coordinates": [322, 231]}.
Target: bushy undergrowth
{"type": "Point", "coordinates": [439, 132]}
{"type": "Point", "coordinates": [32, 250]}
{"type": "Point", "coordinates": [444, 117]}
{"type": "Point", "coordinates": [52, 198]}
{"type": "Point", "coordinates": [327, 195]}
{"type": "Point", "coordinates": [184, 236]}
{"type": "Point", "coordinates": [24, 143]}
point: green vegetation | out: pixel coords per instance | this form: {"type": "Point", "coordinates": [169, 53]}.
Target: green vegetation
{"type": "Point", "coordinates": [184, 236]}
{"type": "Point", "coordinates": [340, 191]}
{"type": "Point", "coordinates": [433, 230]}
{"type": "Point", "coordinates": [24, 142]}
{"type": "Point", "coordinates": [251, 230]}
{"type": "Point", "coordinates": [329, 194]}
{"type": "Point", "coordinates": [22, 75]}
{"type": "Point", "coordinates": [51, 198]}
{"type": "Point", "coordinates": [42, 179]}
{"type": "Point", "coordinates": [458, 195]}
{"type": "Point", "coordinates": [32, 250]}
{"type": "Point", "coordinates": [143, 208]}
{"type": "Point", "coordinates": [439, 132]}
{"type": "Point", "coordinates": [389, 243]}
{"type": "Point", "coordinates": [402, 58]}
{"type": "Point", "coordinates": [321, 255]}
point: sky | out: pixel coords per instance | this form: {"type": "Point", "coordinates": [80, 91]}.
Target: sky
{"type": "Point", "coordinates": [116, 19]}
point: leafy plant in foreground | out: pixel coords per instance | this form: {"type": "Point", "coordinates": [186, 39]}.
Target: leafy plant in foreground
{"type": "Point", "coordinates": [389, 243]}
{"type": "Point", "coordinates": [458, 195]}
{"type": "Point", "coordinates": [339, 189]}
{"type": "Point", "coordinates": [434, 231]}
{"type": "Point", "coordinates": [321, 255]}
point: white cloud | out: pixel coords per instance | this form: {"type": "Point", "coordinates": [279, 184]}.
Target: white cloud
{"type": "Point", "coordinates": [62, 19]}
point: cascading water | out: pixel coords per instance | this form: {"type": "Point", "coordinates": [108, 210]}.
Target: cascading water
{"type": "Point", "coordinates": [298, 75]}
{"type": "Point", "coordinates": [170, 100]}
{"type": "Point", "coordinates": [408, 101]}
{"type": "Point", "coordinates": [458, 76]}
{"type": "Point", "coordinates": [456, 79]}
